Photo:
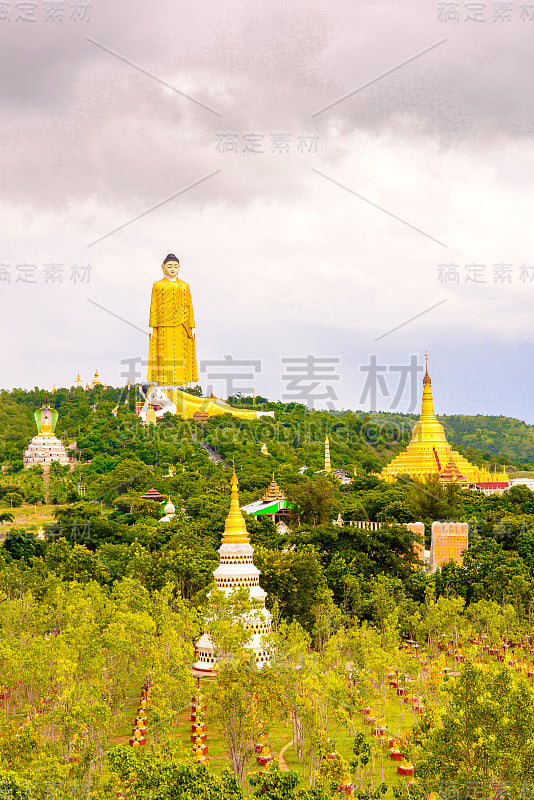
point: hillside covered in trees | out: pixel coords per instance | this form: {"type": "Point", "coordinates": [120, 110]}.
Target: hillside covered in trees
{"type": "Point", "coordinates": [109, 596]}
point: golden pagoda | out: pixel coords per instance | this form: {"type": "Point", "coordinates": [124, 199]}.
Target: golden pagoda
{"type": "Point", "coordinates": [96, 380]}
{"type": "Point", "coordinates": [430, 454]}
{"type": "Point", "coordinates": [235, 529]}
{"type": "Point", "coordinates": [78, 383]}
{"type": "Point", "coordinates": [327, 465]}
{"type": "Point", "coordinates": [273, 493]}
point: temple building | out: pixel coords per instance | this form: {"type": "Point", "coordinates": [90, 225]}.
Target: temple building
{"type": "Point", "coordinates": [78, 383]}
{"type": "Point", "coordinates": [45, 447]}
{"type": "Point", "coordinates": [237, 570]}
{"type": "Point", "coordinates": [273, 504]}
{"type": "Point", "coordinates": [430, 454]}
{"type": "Point", "coordinates": [96, 380]}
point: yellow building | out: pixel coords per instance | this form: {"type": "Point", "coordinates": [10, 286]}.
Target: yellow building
{"type": "Point", "coordinates": [429, 454]}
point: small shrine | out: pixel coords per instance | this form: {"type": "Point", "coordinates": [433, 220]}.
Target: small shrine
{"type": "Point", "coordinates": [169, 511]}
{"type": "Point", "coordinates": [272, 503]}
{"type": "Point", "coordinates": [45, 447]}
{"type": "Point", "coordinates": [153, 494]}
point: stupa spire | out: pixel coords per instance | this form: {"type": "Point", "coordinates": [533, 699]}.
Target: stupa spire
{"type": "Point", "coordinates": [427, 410]}
{"type": "Point", "coordinates": [235, 529]}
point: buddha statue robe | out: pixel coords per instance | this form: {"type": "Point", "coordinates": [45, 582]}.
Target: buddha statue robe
{"type": "Point", "coordinates": [172, 359]}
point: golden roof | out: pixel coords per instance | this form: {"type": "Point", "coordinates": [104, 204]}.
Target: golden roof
{"type": "Point", "coordinates": [235, 529]}
{"type": "Point", "coordinates": [273, 493]}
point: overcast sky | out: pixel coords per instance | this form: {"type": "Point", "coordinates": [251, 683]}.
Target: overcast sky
{"type": "Point", "coordinates": [395, 152]}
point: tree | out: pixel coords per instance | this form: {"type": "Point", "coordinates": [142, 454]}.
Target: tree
{"type": "Point", "coordinates": [243, 696]}
{"type": "Point", "coordinates": [314, 501]}
{"type": "Point", "coordinates": [276, 785]}
{"type": "Point", "coordinates": [489, 572]}
{"type": "Point", "coordinates": [166, 776]}
{"type": "Point", "coordinates": [432, 501]}
{"type": "Point", "coordinates": [484, 740]}
{"type": "Point", "coordinates": [291, 578]}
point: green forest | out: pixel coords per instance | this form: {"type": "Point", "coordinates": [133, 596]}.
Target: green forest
{"type": "Point", "coordinates": [370, 654]}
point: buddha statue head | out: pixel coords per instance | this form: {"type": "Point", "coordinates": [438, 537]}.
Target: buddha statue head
{"type": "Point", "coordinates": [171, 267]}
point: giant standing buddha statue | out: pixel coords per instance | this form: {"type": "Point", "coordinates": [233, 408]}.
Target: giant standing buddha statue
{"type": "Point", "coordinates": [172, 356]}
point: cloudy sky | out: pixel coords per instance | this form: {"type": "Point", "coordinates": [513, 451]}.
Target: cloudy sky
{"type": "Point", "coordinates": [350, 181]}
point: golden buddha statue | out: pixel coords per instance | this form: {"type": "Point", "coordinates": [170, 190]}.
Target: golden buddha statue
{"type": "Point", "coordinates": [172, 358]}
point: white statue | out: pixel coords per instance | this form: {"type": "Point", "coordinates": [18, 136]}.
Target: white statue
{"type": "Point", "coordinates": [154, 396]}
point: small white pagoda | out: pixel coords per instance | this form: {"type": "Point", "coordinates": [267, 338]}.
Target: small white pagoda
{"type": "Point", "coordinates": [45, 447]}
{"type": "Point", "coordinates": [236, 570]}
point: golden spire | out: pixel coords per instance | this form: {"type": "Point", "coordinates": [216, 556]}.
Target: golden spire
{"type": "Point", "coordinates": [235, 529]}
{"type": "Point", "coordinates": [427, 409]}
{"type": "Point", "coordinates": [426, 379]}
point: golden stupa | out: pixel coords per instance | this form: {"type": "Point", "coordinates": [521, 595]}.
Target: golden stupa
{"type": "Point", "coordinates": [96, 380]}
{"type": "Point", "coordinates": [430, 454]}
{"type": "Point", "coordinates": [235, 529]}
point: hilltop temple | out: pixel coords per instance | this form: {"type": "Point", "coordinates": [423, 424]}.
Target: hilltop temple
{"type": "Point", "coordinates": [45, 447]}
{"type": "Point", "coordinates": [430, 454]}
{"type": "Point", "coordinates": [236, 570]}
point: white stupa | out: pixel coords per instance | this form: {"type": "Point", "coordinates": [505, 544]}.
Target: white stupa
{"type": "Point", "coordinates": [45, 447]}
{"type": "Point", "coordinates": [169, 512]}
{"type": "Point", "coordinates": [236, 570]}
